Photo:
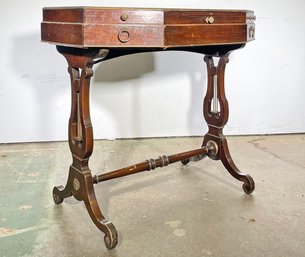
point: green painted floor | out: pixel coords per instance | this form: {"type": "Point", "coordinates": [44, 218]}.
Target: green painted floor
{"type": "Point", "coordinates": [196, 210]}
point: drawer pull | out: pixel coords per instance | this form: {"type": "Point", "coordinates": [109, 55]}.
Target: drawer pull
{"type": "Point", "coordinates": [124, 36]}
{"type": "Point", "coordinates": [210, 20]}
{"type": "Point", "coordinates": [124, 17]}
{"type": "Point", "coordinates": [251, 17]}
{"type": "Point", "coordinates": [251, 32]}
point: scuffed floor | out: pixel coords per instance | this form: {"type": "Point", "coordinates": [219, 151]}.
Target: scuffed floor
{"type": "Point", "coordinates": [196, 210]}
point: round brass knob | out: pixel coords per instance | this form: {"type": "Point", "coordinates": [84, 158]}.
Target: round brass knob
{"type": "Point", "coordinates": [124, 17]}
{"type": "Point", "coordinates": [210, 20]}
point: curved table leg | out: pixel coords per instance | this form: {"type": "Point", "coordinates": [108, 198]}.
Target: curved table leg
{"type": "Point", "coordinates": [227, 161]}
{"type": "Point", "coordinates": [80, 182]}
{"type": "Point", "coordinates": [80, 185]}
{"type": "Point", "coordinates": [216, 114]}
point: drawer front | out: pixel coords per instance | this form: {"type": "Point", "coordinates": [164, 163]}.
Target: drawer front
{"type": "Point", "coordinates": [123, 36]}
{"type": "Point", "coordinates": [123, 16]}
{"type": "Point", "coordinates": [102, 35]}
{"type": "Point", "coordinates": [204, 17]}
{"type": "Point", "coordinates": [103, 16]}
{"type": "Point", "coordinates": [205, 34]}
{"type": "Point", "coordinates": [62, 15]}
{"type": "Point", "coordinates": [69, 33]}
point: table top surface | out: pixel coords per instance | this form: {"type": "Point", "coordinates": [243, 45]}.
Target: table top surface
{"type": "Point", "coordinates": [139, 8]}
{"type": "Point", "coordinates": [108, 27]}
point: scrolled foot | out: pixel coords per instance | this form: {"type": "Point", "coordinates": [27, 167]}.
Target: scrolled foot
{"type": "Point", "coordinates": [111, 236]}
{"type": "Point", "coordinates": [89, 198]}
{"type": "Point", "coordinates": [60, 193]}
{"type": "Point", "coordinates": [56, 197]}
{"type": "Point", "coordinates": [227, 161]}
{"type": "Point", "coordinates": [249, 185]}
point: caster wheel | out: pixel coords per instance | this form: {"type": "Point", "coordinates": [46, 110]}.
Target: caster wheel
{"type": "Point", "coordinates": [57, 199]}
{"type": "Point", "coordinates": [249, 185]}
{"type": "Point", "coordinates": [111, 240]}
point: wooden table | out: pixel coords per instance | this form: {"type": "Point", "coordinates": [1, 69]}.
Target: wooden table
{"type": "Point", "coordinates": [88, 35]}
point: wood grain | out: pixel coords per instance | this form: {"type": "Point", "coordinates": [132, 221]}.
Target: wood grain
{"type": "Point", "coordinates": [144, 28]}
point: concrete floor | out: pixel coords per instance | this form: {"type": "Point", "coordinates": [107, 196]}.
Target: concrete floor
{"type": "Point", "coordinates": [196, 210]}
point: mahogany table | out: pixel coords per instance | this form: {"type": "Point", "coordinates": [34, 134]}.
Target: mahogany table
{"type": "Point", "coordinates": [88, 35]}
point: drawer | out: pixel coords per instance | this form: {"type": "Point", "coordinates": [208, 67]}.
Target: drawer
{"type": "Point", "coordinates": [204, 34]}
{"type": "Point", "coordinates": [123, 36]}
{"type": "Point", "coordinates": [115, 35]}
{"type": "Point", "coordinates": [204, 17]}
{"type": "Point", "coordinates": [103, 15]}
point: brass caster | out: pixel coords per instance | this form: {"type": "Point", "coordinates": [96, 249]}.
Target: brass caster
{"type": "Point", "coordinates": [111, 237]}
{"type": "Point", "coordinates": [249, 185]}
{"type": "Point", "coordinates": [57, 199]}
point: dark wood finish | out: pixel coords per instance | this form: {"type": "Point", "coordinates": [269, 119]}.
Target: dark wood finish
{"type": "Point", "coordinates": [151, 164]}
{"type": "Point", "coordinates": [96, 15]}
{"type": "Point", "coordinates": [217, 120]}
{"type": "Point", "coordinates": [204, 35]}
{"type": "Point", "coordinates": [88, 35]}
{"type": "Point", "coordinates": [199, 17]}
{"type": "Point", "coordinates": [163, 28]}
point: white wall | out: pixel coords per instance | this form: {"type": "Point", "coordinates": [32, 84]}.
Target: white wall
{"type": "Point", "coordinates": [157, 94]}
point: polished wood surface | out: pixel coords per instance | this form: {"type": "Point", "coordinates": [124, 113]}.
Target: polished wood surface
{"type": "Point", "coordinates": [136, 27]}
{"type": "Point", "coordinates": [86, 36]}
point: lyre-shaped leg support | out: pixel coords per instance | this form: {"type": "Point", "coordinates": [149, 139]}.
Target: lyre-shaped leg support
{"type": "Point", "coordinates": [80, 181]}
{"type": "Point", "coordinates": [216, 114]}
